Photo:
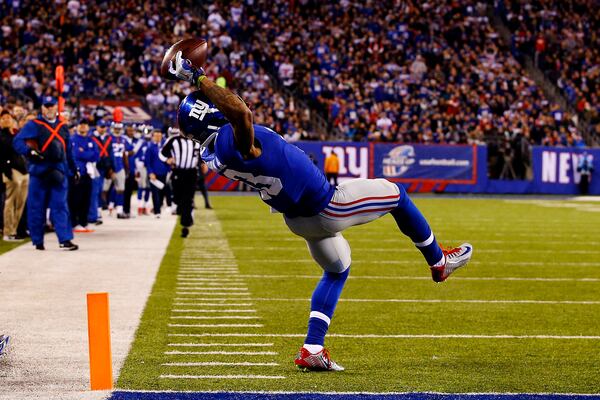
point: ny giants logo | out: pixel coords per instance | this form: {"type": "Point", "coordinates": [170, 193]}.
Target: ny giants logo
{"type": "Point", "coordinates": [200, 109]}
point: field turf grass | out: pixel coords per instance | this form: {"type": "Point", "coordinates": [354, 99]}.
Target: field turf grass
{"type": "Point", "coordinates": [533, 287]}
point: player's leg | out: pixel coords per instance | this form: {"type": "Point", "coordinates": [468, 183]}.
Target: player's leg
{"type": "Point", "coordinates": [333, 255]}
{"type": "Point", "coordinates": [364, 200]}
{"type": "Point", "coordinates": [120, 189]}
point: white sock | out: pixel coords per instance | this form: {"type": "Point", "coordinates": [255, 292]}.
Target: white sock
{"type": "Point", "coordinates": [119, 209]}
{"type": "Point", "coordinates": [313, 348]}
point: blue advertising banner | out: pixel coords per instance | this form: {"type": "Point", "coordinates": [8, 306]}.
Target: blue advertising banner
{"type": "Point", "coordinates": [412, 162]}
{"type": "Point", "coordinates": [354, 157]}
{"type": "Point", "coordinates": [555, 169]}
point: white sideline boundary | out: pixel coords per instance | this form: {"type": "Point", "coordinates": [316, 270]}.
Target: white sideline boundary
{"type": "Point", "coordinates": [43, 298]}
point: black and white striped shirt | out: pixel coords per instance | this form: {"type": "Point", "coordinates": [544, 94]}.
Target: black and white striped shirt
{"type": "Point", "coordinates": [185, 152]}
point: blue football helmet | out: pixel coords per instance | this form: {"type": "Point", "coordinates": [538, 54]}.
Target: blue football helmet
{"type": "Point", "coordinates": [198, 117]}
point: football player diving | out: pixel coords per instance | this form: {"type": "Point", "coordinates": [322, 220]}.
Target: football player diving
{"type": "Point", "coordinates": [289, 182]}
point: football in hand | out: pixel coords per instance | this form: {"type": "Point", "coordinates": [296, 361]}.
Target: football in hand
{"type": "Point", "coordinates": [195, 50]}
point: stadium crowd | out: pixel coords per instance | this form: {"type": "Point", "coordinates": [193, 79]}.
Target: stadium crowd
{"type": "Point", "coordinates": [112, 50]}
{"type": "Point", "coordinates": [563, 39]}
{"type": "Point", "coordinates": [432, 72]}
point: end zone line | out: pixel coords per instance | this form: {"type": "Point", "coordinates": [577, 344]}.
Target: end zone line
{"type": "Point", "coordinates": [399, 336]}
{"type": "Point", "coordinates": [218, 363]}
{"type": "Point", "coordinates": [225, 353]}
{"type": "Point", "coordinates": [221, 377]}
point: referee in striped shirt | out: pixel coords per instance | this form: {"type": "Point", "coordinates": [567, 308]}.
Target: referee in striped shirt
{"type": "Point", "coordinates": [183, 155]}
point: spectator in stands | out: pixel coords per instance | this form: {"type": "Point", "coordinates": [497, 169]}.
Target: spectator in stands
{"type": "Point", "coordinates": [14, 177]}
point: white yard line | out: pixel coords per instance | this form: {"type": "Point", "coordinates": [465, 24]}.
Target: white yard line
{"type": "Point", "coordinates": [409, 262]}
{"type": "Point", "coordinates": [218, 363]}
{"type": "Point", "coordinates": [410, 249]}
{"type": "Point", "coordinates": [221, 377]}
{"type": "Point", "coordinates": [204, 293]}
{"type": "Point", "coordinates": [477, 301]}
{"type": "Point", "coordinates": [212, 311]}
{"type": "Point", "coordinates": [220, 344]}
{"type": "Point", "coordinates": [213, 304]}
{"type": "Point", "coordinates": [204, 288]}
{"type": "Point", "coordinates": [428, 278]}
{"type": "Point", "coordinates": [221, 352]}
{"type": "Point", "coordinates": [43, 298]}
{"type": "Point", "coordinates": [215, 317]}
{"type": "Point", "coordinates": [193, 297]}
{"type": "Point", "coordinates": [398, 336]}
{"type": "Point", "coordinates": [216, 325]}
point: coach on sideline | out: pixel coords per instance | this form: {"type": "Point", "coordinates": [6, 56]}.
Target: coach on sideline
{"type": "Point", "coordinates": [182, 154]}
{"type": "Point", "coordinates": [46, 142]}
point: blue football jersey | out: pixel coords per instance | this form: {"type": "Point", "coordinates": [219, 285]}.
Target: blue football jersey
{"type": "Point", "coordinates": [287, 179]}
{"type": "Point", "coordinates": [120, 145]}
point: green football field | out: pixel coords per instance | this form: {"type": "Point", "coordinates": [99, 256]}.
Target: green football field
{"type": "Point", "coordinates": [230, 304]}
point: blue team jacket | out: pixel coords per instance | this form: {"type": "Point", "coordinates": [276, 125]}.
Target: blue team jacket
{"type": "Point", "coordinates": [84, 151]}
{"type": "Point", "coordinates": [153, 164]}
{"type": "Point", "coordinates": [52, 140]}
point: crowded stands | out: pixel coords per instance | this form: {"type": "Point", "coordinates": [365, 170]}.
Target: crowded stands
{"type": "Point", "coordinates": [433, 73]}
{"type": "Point", "coordinates": [563, 39]}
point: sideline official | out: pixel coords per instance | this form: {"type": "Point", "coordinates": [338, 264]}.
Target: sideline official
{"type": "Point", "coordinates": [46, 142]}
{"type": "Point", "coordinates": [183, 155]}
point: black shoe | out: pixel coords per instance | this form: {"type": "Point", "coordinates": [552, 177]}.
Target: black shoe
{"type": "Point", "coordinates": [185, 232]}
{"type": "Point", "coordinates": [68, 246]}
{"type": "Point", "coordinates": [208, 206]}
{"type": "Point", "coordinates": [98, 222]}
{"type": "Point", "coordinates": [40, 247]}
{"type": "Point", "coordinates": [122, 216]}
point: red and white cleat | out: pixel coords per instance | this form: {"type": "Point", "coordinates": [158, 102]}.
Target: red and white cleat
{"type": "Point", "coordinates": [455, 258]}
{"type": "Point", "coordinates": [321, 361]}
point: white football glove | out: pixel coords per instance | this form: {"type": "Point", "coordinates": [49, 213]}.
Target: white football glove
{"type": "Point", "coordinates": [183, 69]}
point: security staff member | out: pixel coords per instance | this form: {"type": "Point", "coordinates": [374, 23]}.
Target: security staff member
{"type": "Point", "coordinates": [46, 142]}
{"type": "Point", "coordinates": [183, 155]}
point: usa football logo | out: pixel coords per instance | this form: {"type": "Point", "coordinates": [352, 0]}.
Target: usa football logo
{"type": "Point", "coordinates": [398, 161]}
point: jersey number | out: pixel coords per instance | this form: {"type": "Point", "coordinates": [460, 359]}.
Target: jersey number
{"type": "Point", "coordinates": [267, 185]}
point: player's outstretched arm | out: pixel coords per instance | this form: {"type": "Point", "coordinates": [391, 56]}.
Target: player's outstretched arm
{"type": "Point", "coordinates": [237, 113]}
{"type": "Point", "coordinates": [230, 104]}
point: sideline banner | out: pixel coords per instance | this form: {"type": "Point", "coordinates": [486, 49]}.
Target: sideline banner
{"type": "Point", "coordinates": [444, 168]}
{"type": "Point", "coordinates": [410, 163]}
{"type": "Point", "coordinates": [555, 169]}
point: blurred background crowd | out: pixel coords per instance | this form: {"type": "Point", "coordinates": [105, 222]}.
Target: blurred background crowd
{"type": "Point", "coordinates": [429, 72]}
